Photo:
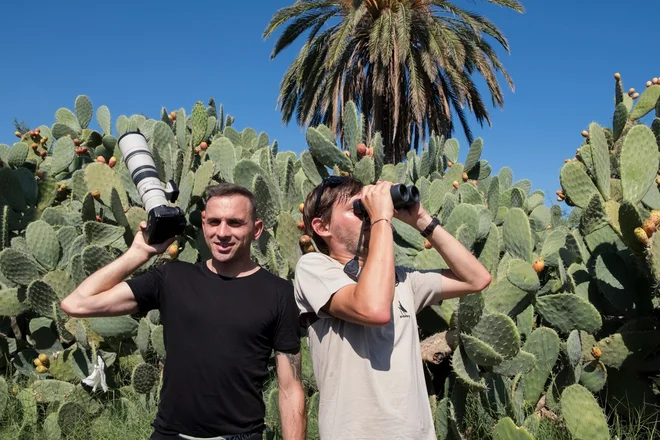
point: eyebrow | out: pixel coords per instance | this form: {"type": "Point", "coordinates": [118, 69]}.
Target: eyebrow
{"type": "Point", "coordinates": [235, 219]}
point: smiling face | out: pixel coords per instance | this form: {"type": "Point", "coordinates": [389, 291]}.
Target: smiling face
{"type": "Point", "coordinates": [229, 228]}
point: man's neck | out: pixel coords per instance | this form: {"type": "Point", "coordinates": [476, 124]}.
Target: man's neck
{"type": "Point", "coordinates": [233, 269]}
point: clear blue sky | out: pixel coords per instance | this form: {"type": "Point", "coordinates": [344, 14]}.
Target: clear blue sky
{"type": "Point", "coordinates": [138, 56]}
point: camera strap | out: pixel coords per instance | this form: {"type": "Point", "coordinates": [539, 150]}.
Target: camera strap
{"type": "Point", "coordinates": [352, 268]}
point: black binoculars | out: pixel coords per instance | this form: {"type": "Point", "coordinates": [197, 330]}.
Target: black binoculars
{"type": "Point", "coordinates": [402, 196]}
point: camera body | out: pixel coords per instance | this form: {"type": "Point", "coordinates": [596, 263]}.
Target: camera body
{"type": "Point", "coordinates": [163, 221]}
{"type": "Point", "coordinates": [402, 196]}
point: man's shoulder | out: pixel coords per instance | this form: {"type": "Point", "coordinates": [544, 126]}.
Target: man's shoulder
{"type": "Point", "coordinates": [274, 281]}
{"type": "Point", "coordinates": [315, 259]}
{"type": "Point", "coordinates": [407, 274]}
{"type": "Point", "coordinates": [178, 266]}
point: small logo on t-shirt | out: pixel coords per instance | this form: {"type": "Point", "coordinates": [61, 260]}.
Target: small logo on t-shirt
{"type": "Point", "coordinates": [403, 313]}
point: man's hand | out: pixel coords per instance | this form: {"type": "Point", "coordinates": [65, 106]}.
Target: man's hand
{"type": "Point", "coordinates": [377, 200]}
{"type": "Point", "coordinates": [291, 395]}
{"type": "Point", "coordinates": [140, 246]}
{"type": "Point", "coordinates": [413, 215]}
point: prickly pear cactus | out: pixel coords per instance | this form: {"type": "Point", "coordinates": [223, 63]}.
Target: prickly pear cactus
{"type": "Point", "coordinates": [569, 313]}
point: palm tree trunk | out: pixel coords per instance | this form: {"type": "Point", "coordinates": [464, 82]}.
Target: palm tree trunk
{"type": "Point", "coordinates": [382, 122]}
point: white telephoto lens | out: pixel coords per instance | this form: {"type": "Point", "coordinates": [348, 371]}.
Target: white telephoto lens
{"type": "Point", "coordinates": [140, 164]}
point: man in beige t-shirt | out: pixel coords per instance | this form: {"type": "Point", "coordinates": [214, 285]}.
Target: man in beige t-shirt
{"type": "Point", "coordinates": [360, 310]}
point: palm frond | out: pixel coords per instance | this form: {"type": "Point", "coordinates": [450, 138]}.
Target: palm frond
{"type": "Point", "coordinates": [299, 8]}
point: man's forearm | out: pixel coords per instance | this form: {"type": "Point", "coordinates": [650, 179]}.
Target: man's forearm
{"type": "Point", "coordinates": [460, 260]}
{"type": "Point", "coordinates": [375, 288]}
{"type": "Point", "coordinates": [292, 412]}
{"type": "Point", "coordinates": [112, 274]}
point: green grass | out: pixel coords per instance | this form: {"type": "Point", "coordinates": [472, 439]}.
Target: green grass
{"type": "Point", "coordinates": [130, 417]}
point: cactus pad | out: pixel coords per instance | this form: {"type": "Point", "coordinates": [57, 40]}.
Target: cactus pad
{"type": "Point", "coordinates": [480, 352]}
{"type": "Point", "coordinates": [522, 275]}
{"type": "Point", "coordinates": [144, 377]}
{"type": "Point", "coordinates": [577, 184]}
{"type": "Point", "coordinates": [566, 312]}
{"type": "Point", "coordinates": [522, 363]}
{"type": "Point", "coordinates": [18, 267]}
{"type": "Point", "coordinates": [467, 371]}
{"type": "Point", "coordinates": [101, 234]}
{"type": "Point", "coordinates": [99, 176]}
{"type": "Point", "coordinates": [639, 162]}
{"type": "Point", "coordinates": [583, 416]}
{"type": "Point", "coordinates": [518, 235]}
{"type": "Point", "coordinates": [113, 327]}
{"type": "Point", "coordinates": [593, 376]}
{"type": "Point", "coordinates": [49, 390]}
{"type": "Point", "coordinates": [42, 297]}
{"type": "Point", "coordinates": [325, 152]}
{"type": "Point", "coordinates": [505, 429]}
{"type": "Point", "coordinates": [470, 309]}
{"type": "Point", "coordinates": [543, 343]}
{"type": "Point", "coordinates": [500, 332]}
{"type": "Point", "coordinates": [42, 240]}
{"type": "Point", "coordinates": [601, 158]}
{"type": "Point", "coordinates": [647, 101]}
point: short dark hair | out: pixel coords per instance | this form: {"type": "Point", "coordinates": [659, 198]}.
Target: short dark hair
{"type": "Point", "coordinates": [340, 192]}
{"type": "Point", "coordinates": [229, 189]}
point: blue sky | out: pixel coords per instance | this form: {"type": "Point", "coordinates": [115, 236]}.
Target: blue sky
{"type": "Point", "coordinates": [563, 57]}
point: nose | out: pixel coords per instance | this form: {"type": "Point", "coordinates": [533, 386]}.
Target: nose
{"type": "Point", "coordinates": [222, 230]}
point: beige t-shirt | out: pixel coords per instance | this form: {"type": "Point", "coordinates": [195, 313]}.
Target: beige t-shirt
{"type": "Point", "coordinates": [371, 379]}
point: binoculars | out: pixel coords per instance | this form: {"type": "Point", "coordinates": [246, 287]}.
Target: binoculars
{"type": "Point", "coordinates": [402, 196]}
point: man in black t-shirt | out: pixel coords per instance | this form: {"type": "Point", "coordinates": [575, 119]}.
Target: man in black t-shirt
{"type": "Point", "coordinates": [222, 318]}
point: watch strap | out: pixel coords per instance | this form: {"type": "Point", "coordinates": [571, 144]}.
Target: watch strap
{"type": "Point", "coordinates": [431, 226]}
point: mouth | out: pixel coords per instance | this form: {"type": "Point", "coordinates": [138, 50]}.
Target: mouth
{"type": "Point", "coordinates": [223, 247]}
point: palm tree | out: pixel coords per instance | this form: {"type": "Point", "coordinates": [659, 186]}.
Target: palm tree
{"type": "Point", "coordinates": [405, 63]}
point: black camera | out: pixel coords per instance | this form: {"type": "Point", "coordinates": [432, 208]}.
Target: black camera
{"type": "Point", "coordinates": [163, 221]}
{"type": "Point", "coordinates": [402, 196]}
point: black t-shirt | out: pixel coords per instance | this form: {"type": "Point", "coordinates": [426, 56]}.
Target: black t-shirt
{"type": "Point", "coordinates": [219, 334]}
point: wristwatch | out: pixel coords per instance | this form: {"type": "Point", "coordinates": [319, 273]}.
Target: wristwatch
{"type": "Point", "coordinates": [429, 229]}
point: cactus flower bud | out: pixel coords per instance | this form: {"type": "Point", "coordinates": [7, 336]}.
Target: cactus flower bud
{"type": "Point", "coordinates": [649, 227]}
{"type": "Point", "coordinates": [641, 236]}
{"type": "Point", "coordinates": [596, 353]}
{"type": "Point", "coordinates": [173, 250]}
{"type": "Point", "coordinates": [305, 240]}
{"type": "Point", "coordinates": [100, 159]}
{"type": "Point", "coordinates": [455, 184]}
{"type": "Point", "coordinates": [538, 265]}
{"type": "Point", "coordinates": [617, 76]}
{"type": "Point", "coordinates": [112, 162]}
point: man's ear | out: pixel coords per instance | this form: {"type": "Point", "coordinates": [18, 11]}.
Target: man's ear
{"type": "Point", "coordinates": [320, 228]}
{"type": "Point", "coordinates": [258, 229]}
